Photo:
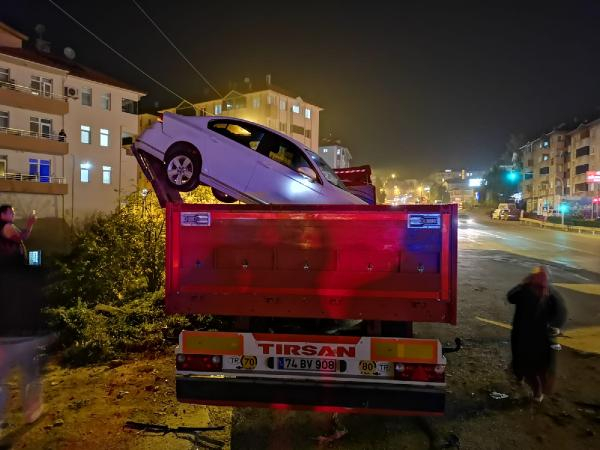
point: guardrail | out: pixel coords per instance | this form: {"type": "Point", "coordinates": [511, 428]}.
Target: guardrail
{"type": "Point", "coordinates": [558, 226]}
{"type": "Point", "coordinates": [35, 134]}
{"type": "Point", "coordinates": [32, 178]}
{"type": "Point", "coordinates": [28, 90]}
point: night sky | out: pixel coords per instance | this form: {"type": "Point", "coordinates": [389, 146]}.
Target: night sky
{"type": "Point", "coordinates": [408, 86]}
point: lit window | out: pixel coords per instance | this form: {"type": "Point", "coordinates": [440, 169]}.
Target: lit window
{"type": "Point", "coordinates": [86, 96]}
{"type": "Point", "coordinates": [104, 135]}
{"type": "Point", "coordinates": [339, 152]}
{"type": "Point", "coordinates": [106, 101]}
{"type": "Point", "coordinates": [307, 113]}
{"type": "Point", "coordinates": [218, 108]}
{"type": "Point", "coordinates": [85, 172]}
{"type": "Point", "coordinates": [106, 174]}
{"type": "Point", "coordinates": [325, 150]}
{"type": "Point", "coordinates": [546, 157]}
{"type": "Point", "coordinates": [282, 105]}
{"type": "Point", "coordinates": [86, 134]}
{"type": "Point", "coordinates": [256, 102]}
{"type": "Point", "coordinates": [269, 99]}
{"type": "Point", "coordinates": [296, 109]}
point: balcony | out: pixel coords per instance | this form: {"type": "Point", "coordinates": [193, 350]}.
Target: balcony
{"type": "Point", "coordinates": [31, 99]}
{"type": "Point", "coordinates": [30, 141]}
{"type": "Point", "coordinates": [32, 184]}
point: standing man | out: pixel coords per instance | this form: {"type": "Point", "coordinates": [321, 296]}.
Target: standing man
{"type": "Point", "coordinates": [20, 315]}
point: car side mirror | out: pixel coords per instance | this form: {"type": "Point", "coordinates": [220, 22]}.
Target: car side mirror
{"type": "Point", "coordinates": [308, 173]}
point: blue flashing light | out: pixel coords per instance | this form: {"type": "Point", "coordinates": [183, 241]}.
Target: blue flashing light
{"type": "Point", "coordinates": [563, 208]}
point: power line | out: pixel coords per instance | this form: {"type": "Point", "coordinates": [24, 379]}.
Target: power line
{"type": "Point", "coordinates": [117, 53]}
{"type": "Point", "coordinates": [176, 49]}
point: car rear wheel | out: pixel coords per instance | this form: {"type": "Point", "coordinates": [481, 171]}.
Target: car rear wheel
{"type": "Point", "coordinates": [222, 196]}
{"type": "Point", "coordinates": [182, 165]}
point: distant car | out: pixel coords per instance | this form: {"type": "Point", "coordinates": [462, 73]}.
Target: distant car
{"type": "Point", "coordinates": [496, 213]}
{"type": "Point", "coordinates": [510, 214]}
{"type": "Point", "coordinates": [241, 160]}
{"type": "Point", "coordinates": [464, 219]}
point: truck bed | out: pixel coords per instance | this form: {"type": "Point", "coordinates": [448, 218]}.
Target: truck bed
{"type": "Point", "coordinates": [334, 262]}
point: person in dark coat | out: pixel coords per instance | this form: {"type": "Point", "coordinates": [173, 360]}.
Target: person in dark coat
{"type": "Point", "coordinates": [540, 312]}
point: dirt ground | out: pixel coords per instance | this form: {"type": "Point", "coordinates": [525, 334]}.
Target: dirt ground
{"type": "Point", "coordinates": [87, 408]}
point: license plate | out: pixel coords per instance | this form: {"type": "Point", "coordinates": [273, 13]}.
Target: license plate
{"type": "Point", "coordinates": [311, 364]}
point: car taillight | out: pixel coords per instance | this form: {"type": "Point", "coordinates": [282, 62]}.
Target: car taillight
{"type": "Point", "coordinates": [201, 363]}
{"type": "Point", "coordinates": [419, 372]}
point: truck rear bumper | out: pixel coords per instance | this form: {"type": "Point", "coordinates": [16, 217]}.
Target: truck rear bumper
{"type": "Point", "coordinates": [322, 396]}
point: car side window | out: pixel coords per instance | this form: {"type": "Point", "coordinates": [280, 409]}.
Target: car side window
{"type": "Point", "coordinates": [240, 132]}
{"type": "Point", "coordinates": [283, 151]}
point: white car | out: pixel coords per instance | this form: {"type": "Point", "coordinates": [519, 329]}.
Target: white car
{"type": "Point", "coordinates": [241, 160]}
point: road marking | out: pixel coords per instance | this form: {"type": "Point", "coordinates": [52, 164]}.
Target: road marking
{"type": "Point", "coordinates": [586, 288]}
{"type": "Point", "coordinates": [585, 339]}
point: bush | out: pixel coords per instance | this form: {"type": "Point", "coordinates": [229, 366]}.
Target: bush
{"type": "Point", "coordinates": [107, 300]}
{"type": "Point", "coordinates": [575, 221]}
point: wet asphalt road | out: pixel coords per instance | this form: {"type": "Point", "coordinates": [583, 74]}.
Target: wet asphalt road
{"type": "Point", "coordinates": [495, 255]}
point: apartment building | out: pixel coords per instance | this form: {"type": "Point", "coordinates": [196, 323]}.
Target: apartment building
{"type": "Point", "coordinates": [269, 105]}
{"type": "Point", "coordinates": [555, 166]}
{"type": "Point", "coordinates": [336, 155]}
{"type": "Point", "coordinates": [61, 131]}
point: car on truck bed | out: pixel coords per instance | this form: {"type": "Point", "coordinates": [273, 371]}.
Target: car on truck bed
{"type": "Point", "coordinates": [241, 160]}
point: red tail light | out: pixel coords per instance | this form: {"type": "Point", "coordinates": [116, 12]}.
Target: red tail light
{"type": "Point", "coordinates": [200, 363]}
{"type": "Point", "coordinates": [419, 372]}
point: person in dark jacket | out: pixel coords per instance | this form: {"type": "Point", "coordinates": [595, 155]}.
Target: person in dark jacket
{"type": "Point", "coordinates": [540, 312]}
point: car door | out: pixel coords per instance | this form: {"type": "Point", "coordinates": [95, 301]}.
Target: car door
{"type": "Point", "coordinates": [276, 177]}
{"type": "Point", "coordinates": [231, 152]}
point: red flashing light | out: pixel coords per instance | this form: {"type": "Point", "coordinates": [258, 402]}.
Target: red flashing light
{"type": "Point", "coordinates": [596, 200]}
{"type": "Point", "coordinates": [200, 363]}
{"type": "Point", "coordinates": [419, 372]}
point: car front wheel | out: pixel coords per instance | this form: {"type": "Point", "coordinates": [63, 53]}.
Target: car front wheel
{"type": "Point", "coordinates": [183, 168]}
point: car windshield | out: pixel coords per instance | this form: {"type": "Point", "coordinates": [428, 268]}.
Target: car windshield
{"type": "Point", "coordinates": [328, 172]}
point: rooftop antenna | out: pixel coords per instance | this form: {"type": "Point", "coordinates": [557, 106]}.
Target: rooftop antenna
{"type": "Point", "coordinates": [69, 53]}
{"type": "Point", "coordinates": [40, 44]}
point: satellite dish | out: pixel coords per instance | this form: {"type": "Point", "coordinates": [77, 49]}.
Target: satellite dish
{"type": "Point", "coordinates": [69, 53]}
{"type": "Point", "coordinates": [40, 29]}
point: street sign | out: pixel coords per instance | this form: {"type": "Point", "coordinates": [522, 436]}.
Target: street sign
{"type": "Point", "coordinates": [592, 176]}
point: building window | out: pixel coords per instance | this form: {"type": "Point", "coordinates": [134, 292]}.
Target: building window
{"type": "Point", "coordinates": [40, 168]}
{"type": "Point", "coordinates": [256, 102]}
{"type": "Point", "coordinates": [4, 75]}
{"type": "Point", "coordinates": [218, 109]}
{"type": "Point", "coordinates": [307, 113]}
{"type": "Point", "coordinates": [86, 96]}
{"type": "Point", "coordinates": [545, 157]}
{"type": "Point", "coordinates": [86, 134]}
{"type": "Point", "coordinates": [298, 129]}
{"type": "Point", "coordinates": [104, 135]}
{"type": "Point", "coordinates": [41, 86]}
{"type": "Point", "coordinates": [307, 134]}
{"type": "Point", "coordinates": [105, 101]}
{"type": "Point", "coordinates": [583, 187]}
{"type": "Point", "coordinates": [546, 143]}
{"type": "Point", "coordinates": [3, 119]}
{"type": "Point", "coordinates": [283, 127]}
{"type": "Point", "coordinates": [40, 127]}
{"type": "Point", "coordinates": [582, 151]}
{"type": "Point", "coordinates": [544, 170]}
{"type": "Point", "coordinates": [582, 169]}
{"type": "Point", "coordinates": [282, 105]}
{"type": "Point", "coordinates": [269, 99]}
{"type": "Point", "coordinates": [106, 174]}
{"type": "Point", "coordinates": [129, 106]}
{"type": "Point", "coordinates": [296, 109]}
{"type": "Point", "coordinates": [85, 172]}
{"type": "Point", "coordinates": [325, 150]}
